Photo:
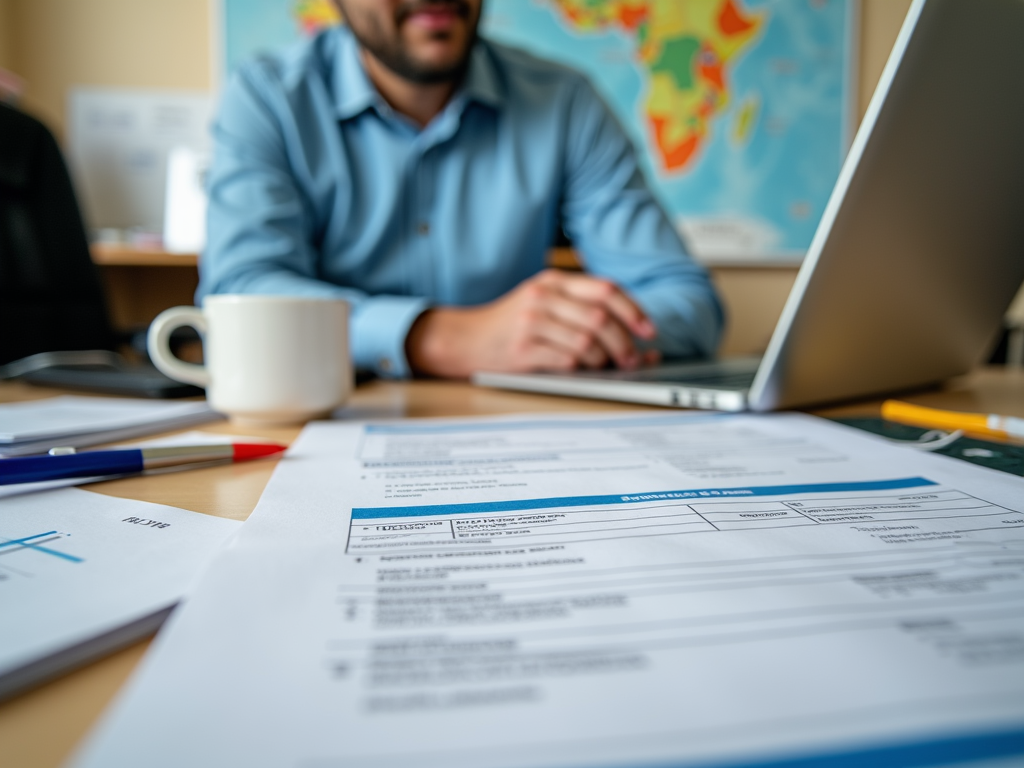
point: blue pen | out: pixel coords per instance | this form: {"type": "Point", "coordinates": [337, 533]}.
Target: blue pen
{"type": "Point", "coordinates": [63, 463]}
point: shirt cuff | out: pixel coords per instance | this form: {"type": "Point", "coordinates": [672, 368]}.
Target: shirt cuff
{"type": "Point", "coordinates": [379, 327]}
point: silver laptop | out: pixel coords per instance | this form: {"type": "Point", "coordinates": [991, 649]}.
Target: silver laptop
{"type": "Point", "coordinates": [920, 249]}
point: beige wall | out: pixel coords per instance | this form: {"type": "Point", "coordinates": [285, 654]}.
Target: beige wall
{"type": "Point", "coordinates": [6, 54]}
{"type": "Point", "coordinates": [880, 22]}
{"type": "Point", "coordinates": [129, 43]}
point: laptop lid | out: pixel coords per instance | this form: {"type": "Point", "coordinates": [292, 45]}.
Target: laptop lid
{"type": "Point", "coordinates": [921, 247]}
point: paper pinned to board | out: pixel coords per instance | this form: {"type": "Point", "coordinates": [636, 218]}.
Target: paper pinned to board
{"type": "Point", "coordinates": [119, 140]}
{"type": "Point", "coordinates": [666, 589]}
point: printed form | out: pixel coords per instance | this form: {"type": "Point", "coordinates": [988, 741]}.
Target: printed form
{"type": "Point", "coordinates": [644, 589]}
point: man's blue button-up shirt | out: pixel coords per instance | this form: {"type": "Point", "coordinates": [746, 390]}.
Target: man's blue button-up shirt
{"type": "Point", "coordinates": [319, 188]}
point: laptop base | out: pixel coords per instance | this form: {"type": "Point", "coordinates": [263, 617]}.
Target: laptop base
{"type": "Point", "coordinates": [720, 385]}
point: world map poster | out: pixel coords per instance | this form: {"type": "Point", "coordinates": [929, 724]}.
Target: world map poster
{"type": "Point", "coordinates": [741, 110]}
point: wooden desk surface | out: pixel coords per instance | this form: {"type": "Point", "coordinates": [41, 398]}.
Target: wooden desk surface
{"type": "Point", "coordinates": [42, 727]}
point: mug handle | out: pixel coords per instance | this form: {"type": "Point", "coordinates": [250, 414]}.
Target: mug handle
{"type": "Point", "coordinates": [159, 347]}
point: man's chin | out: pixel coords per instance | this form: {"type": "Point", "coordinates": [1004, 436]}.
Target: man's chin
{"type": "Point", "coordinates": [420, 55]}
{"type": "Point", "coordinates": [437, 61]}
{"type": "Point", "coordinates": [433, 73]}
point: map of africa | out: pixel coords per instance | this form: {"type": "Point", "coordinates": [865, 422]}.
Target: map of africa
{"type": "Point", "coordinates": [740, 109]}
{"type": "Point", "coordinates": [683, 51]}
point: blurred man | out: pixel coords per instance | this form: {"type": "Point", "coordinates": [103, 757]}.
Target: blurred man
{"type": "Point", "coordinates": [421, 173]}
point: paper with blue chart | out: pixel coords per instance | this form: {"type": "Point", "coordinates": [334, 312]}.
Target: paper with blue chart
{"type": "Point", "coordinates": [642, 590]}
{"type": "Point", "coordinates": [742, 109]}
{"type": "Point", "coordinates": [82, 574]}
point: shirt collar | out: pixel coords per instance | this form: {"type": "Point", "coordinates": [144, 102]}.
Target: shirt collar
{"type": "Point", "coordinates": [354, 93]}
{"type": "Point", "coordinates": [482, 83]}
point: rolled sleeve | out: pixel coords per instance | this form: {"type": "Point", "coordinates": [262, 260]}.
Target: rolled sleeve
{"type": "Point", "coordinates": [379, 328]}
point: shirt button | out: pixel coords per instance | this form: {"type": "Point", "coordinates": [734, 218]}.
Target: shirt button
{"type": "Point", "coordinates": [384, 364]}
{"type": "Point", "coordinates": [423, 228]}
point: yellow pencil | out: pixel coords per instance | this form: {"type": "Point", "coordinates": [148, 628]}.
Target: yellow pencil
{"type": "Point", "coordinates": [979, 423]}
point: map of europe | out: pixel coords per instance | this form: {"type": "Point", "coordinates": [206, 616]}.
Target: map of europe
{"type": "Point", "coordinates": [740, 109]}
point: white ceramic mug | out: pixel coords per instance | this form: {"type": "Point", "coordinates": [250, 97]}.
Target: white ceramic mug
{"type": "Point", "coordinates": [269, 359]}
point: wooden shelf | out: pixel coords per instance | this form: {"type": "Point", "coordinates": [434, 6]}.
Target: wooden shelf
{"type": "Point", "coordinates": [142, 282]}
{"type": "Point", "coordinates": [564, 258]}
{"type": "Point", "coordinates": [140, 286]}
{"type": "Point", "coordinates": [133, 256]}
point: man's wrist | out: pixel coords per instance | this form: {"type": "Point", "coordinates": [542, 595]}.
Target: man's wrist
{"type": "Point", "coordinates": [415, 340]}
{"type": "Point", "coordinates": [432, 345]}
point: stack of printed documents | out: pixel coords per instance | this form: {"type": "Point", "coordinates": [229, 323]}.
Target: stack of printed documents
{"type": "Point", "coordinates": [645, 590]}
{"type": "Point", "coordinates": [83, 574]}
{"type": "Point", "coordinates": [38, 425]}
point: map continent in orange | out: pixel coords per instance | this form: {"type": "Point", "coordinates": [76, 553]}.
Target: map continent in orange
{"type": "Point", "coordinates": [314, 15]}
{"type": "Point", "coordinates": [685, 47]}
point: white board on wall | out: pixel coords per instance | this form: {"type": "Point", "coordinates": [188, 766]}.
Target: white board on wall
{"type": "Point", "coordinates": [119, 141]}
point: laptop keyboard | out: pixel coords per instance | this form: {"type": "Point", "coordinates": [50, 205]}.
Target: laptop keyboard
{"type": "Point", "coordinates": [740, 380]}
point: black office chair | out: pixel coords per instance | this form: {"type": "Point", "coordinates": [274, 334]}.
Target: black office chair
{"type": "Point", "coordinates": [50, 294]}
{"type": "Point", "coordinates": [54, 327]}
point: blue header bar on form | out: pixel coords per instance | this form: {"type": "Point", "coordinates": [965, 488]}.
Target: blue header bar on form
{"type": "Point", "coordinates": [484, 507]}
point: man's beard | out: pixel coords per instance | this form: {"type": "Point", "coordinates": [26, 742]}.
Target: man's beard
{"type": "Point", "coordinates": [391, 53]}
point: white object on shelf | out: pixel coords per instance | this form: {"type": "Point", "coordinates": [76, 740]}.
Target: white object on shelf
{"type": "Point", "coordinates": [185, 202]}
